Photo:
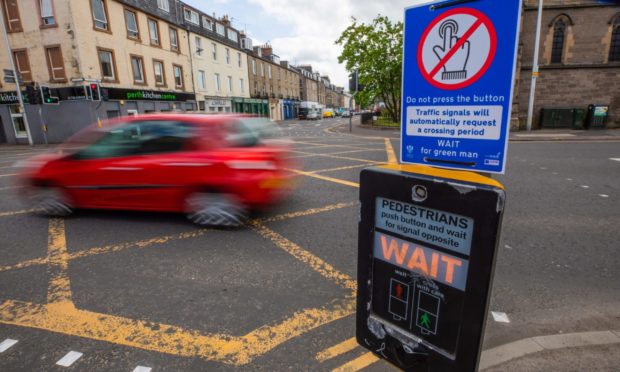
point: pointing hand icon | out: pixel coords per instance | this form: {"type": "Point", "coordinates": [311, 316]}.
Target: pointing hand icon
{"type": "Point", "coordinates": [455, 67]}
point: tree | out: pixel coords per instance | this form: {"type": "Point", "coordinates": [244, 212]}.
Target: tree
{"type": "Point", "coordinates": [376, 50]}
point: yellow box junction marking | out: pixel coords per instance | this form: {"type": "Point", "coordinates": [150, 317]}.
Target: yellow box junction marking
{"type": "Point", "coordinates": [59, 289]}
{"type": "Point", "coordinates": [392, 159]}
{"type": "Point", "coordinates": [325, 178]}
{"type": "Point", "coordinates": [336, 350]}
{"type": "Point", "coordinates": [358, 363]}
{"type": "Point", "coordinates": [61, 316]}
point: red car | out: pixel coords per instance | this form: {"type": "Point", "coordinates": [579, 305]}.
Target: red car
{"type": "Point", "coordinates": [213, 168]}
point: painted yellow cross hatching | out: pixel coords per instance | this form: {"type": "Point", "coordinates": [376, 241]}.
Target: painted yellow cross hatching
{"type": "Point", "coordinates": [61, 316]}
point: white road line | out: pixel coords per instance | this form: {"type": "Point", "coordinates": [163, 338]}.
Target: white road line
{"type": "Point", "coordinates": [603, 195]}
{"type": "Point", "coordinates": [507, 246]}
{"type": "Point", "coordinates": [569, 179]}
{"type": "Point", "coordinates": [69, 359]}
{"type": "Point", "coordinates": [614, 159]}
{"type": "Point", "coordinates": [585, 186]}
{"type": "Point", "coordinates": [142, 369]}
{"type": "Point", "coordinates": [500, 317]}
{"type": "Point", "coordinates": [6, 344]}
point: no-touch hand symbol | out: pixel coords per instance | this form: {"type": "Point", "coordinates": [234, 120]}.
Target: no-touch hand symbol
{"type": "Point", "coordinates": [455, 67]}
{"type": "Point", "coordinates": [457, 48]}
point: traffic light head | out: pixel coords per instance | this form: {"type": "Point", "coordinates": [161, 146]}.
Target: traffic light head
{"type": "Point", "coordinates": [95, 92]}
{"type": "Point", "coordinates": [46, 94]}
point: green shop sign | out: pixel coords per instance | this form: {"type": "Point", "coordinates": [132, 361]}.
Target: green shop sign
{"type": "Point", "coordinates": [147, 95]}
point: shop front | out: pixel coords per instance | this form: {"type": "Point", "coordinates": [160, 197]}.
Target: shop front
{"type": "Point", "coordinates": [253, 106]}
{"type": "Point", "coordinates": [217, 105]}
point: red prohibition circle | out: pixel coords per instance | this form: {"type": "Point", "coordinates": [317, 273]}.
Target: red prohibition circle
{"type": "Point", "coordinates": [492, 49]}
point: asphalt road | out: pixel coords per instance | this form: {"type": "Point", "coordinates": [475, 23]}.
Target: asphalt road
{"type": "Point", "coordinates": [151, 290]}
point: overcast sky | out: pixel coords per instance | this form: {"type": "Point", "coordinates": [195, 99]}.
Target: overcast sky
{"type": "Point", "coordinates": [303, 31]}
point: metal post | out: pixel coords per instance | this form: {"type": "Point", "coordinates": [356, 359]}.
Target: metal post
{"type": "Point", "coordinates": [19, 93]}
{"type": "Point", "coordinates": [530, 108]}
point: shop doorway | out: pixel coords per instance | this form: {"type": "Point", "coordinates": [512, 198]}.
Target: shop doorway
{"type": "Point", "coordinates": [2, 134]}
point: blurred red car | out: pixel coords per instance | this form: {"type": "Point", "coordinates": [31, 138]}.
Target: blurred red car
{"type": "Point", "coordinates": [213, 168]}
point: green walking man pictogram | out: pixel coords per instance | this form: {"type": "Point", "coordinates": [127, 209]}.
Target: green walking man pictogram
{"type": "Point", "coordinates": [425, 321]}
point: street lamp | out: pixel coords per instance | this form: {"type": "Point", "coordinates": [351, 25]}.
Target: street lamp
{"type": "Point", "coordinates": [535, 73]}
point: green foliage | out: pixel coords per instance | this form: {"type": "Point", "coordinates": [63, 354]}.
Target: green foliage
{"type": "Point", "coordinates": [376, 50]}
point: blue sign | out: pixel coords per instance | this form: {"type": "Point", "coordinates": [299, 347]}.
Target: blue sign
{"type": "Point", "coordinates": [459, 64]}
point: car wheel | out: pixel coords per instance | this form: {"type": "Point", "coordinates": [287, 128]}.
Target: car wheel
{"type": "Point", "coordinates": [50, 201]}
{"type": "Point", "coordinates": [215, 209]}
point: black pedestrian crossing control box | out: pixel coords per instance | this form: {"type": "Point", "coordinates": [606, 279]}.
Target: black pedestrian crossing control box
{"type": "Point", "coordinates": [427, 246]}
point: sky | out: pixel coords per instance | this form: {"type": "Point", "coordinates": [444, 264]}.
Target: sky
{"type": "Point", "coordinates": [303, 31]}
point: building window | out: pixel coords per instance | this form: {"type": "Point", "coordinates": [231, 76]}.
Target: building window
{"type": "Point", "coordinates": [227, 56]}
{"type": "Point", "coordinates": [108, 67]}
{"type": "Point", "coordinates": [46, 10]}
{"type": "Point", "coordinates": [207, 24]}
{"type": "Point", "coordinates": [174, 39]}
{"type": "Point", "coordinates": [178, 76]}
{"type": "Point", "coordinates": [22, 64]}
{"type": "Point", "coordinates": [254, 67]}
{"type": "Point", "coordinates": [191, 16]}
{"type": "Point", "coordinates": [220, 29]}
{"type": "Point", "coordinates": [239, 62]}
{"type": "Point", "coordinates": [198, 45]}
{"type": "Point", "coordinates": [557, 48]}
{"type": "Point", "coordinates": [241, 85]}
{"type": "Point", "coordinates": [216, 79]}
{"type": "Point", "coordinates": [137, 67]}
{"type": "Point", "coordinates": [164, 5]}
{"type": "Point", "coordinates": [262, 69]}
{"type": "Point", "coordinates": [11, 13]}
{"type": "Point", "coordinates": [614, 47]}
{"type": "Point", "coordinates": [202, 80]}
{"type": "Point", "coordinates": [230, 84]}
{"type": "Point", "coordinates": [232, 35]}
{"type": "Point", "coordinates": [158, 69]}
{"type": "Point", "coordinates": [269, 71]}
{"type": "Point", "coordinates": [131, 20]}
{"type": "Point", "coordinates": [55, 63]}
{"type": "Point", "coordinates": [255, 88]}
{"type": "Point", "coordinates": [264, 89]}
{"type": "Point", "coordinates": [214, 51]}
{"type": "Point", "coordinates": [154, 32]}
{"type": "Point", "coordinates": [100, 14]}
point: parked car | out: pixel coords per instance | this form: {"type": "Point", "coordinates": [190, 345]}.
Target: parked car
{"type": "Point", "coordinates": [346, 114]}
{"type": "Point", "coordinates": [328, 113]}
{"type": "Point", "coordinates": [216, 169]}
{"type": "Point", "coordinates": [313, 115]}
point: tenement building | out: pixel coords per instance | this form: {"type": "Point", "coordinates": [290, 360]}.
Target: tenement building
{"type": "Point", "coordinates": [132, 51]}
{"type": "Point", "coordinates": [579, 60]}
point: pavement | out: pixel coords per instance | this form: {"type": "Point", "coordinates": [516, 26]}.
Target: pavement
{"type": "Point", "coordinates": [534, 135]}
{"type": "Point", "coordinates": [138, 289]}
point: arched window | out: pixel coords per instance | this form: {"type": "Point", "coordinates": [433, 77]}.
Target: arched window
{"type": "Point", "coordinates": [557, 48]}
{"type": "Point", "coordinates": [614, 47]}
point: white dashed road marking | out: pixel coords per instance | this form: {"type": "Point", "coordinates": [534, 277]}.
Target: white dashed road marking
{"type": "Point", "coordinates": [69, 359]}
{"type": "Point", "coordinates": [569, 179]}
{"type": "Point", "coordinates": [585, 186]}
{"type": "Point", "coordinates": [603, 195]}
{"type": "Point", "coordinates": [142, 369]}
{"type": "Point", "coordinates": [614, 159]}
{"type": "Point", "coordinates": [500, 317]}
{"type": "Point", "coordinates": [6, 344]}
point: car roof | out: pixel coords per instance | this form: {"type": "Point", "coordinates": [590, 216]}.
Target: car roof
{"type": "Point", "coordinates": [197, 119]}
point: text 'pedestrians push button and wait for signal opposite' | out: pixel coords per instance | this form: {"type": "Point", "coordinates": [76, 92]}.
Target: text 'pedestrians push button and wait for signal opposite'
{"type": "Point", "coordinates": [425, 264]}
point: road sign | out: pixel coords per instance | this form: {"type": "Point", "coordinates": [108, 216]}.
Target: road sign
{"type": "Point", "coordinates": [427, 246]}
{"type": "Point", "coordinates": [458, 75]}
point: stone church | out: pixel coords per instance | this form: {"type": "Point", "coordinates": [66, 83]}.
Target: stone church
{"type": "Point", "coordinates": [579, 59]}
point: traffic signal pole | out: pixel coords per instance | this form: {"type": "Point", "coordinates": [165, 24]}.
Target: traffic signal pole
{"type": "Point", "coordinates": [19, 93]}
